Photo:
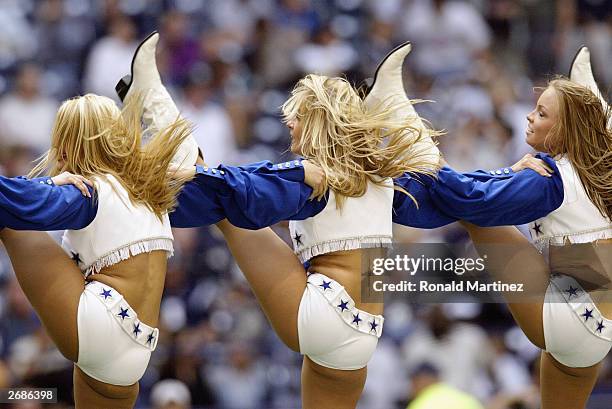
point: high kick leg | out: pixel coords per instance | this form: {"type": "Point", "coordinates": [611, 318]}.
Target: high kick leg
{"type": "Point", "coordinates": [278, 280]}
{"type": "Point", "coordinates": [159, 110]}
{"type": "Point", "coordinates": [52, 283]}
{"type": "Point", "coordinates": [512, 259]}
{"type": "Point", "coordinates": [274, 273]}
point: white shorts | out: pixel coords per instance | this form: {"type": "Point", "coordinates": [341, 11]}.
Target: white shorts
{"type": "Point", "coordinates": [331, 330]}
{"type": "Point", "coordinates": [575, 332]}
{"type": "Point", "coordinates": [114, 346]}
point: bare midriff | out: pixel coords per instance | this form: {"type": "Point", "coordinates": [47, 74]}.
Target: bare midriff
{"type": "Point", "coordinates": [603, 299]}
{"type": "Point", "coordinates": [345, 267]}
{"type": "Point", "coordinates": [140, 279]}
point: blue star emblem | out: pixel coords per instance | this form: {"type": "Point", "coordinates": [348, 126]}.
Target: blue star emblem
{"type": "Point", "coordinates": [326, 285]}
{"type": "Point", "coordinates": [150, 338]}
{"type": "Point", "coordinates": [373, 326]}
{"type": "Point", "coordinates": [137, 329]}
{"type": "Point", "coordinates": [106, 294]}
{"type": "Point", "coordinates": [298, 239]}
{"type": "Point", "coordinates": [600, 326]}
{"type": "Point", "coordinates": [537, 228]}
{"type": "Point", "coordinates": [343, 305]}
{"type": "Point", "coordinates": [75, 257]}
{"type": "Point", "coordinates": [587, 314]}
{"type": "Point", "coordinates": [124, 313]}
{"type": "Point", "coordinates": [356, 319]}
{"type": "Point", "coordinates": [572, 291]}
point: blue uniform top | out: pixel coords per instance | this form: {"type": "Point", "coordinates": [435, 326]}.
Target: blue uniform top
{"type": "Point", "coordinates": [261, 194]}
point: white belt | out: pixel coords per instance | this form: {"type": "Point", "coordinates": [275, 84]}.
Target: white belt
{"type": "Point", "coordinates": [126, 317]}
{"type": "Point", "coordinates": [344, 305]}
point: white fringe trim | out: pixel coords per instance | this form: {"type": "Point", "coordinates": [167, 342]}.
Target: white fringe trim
{"type": "Point", "coordinates": [342, 245]}
{"type": "Point", "coordinates": [588, 236]}
{"type": "Point", "coordinates": [132, 249]}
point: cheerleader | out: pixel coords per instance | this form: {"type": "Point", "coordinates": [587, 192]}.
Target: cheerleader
{"type": "Point", "coordinates": [318, 312]}
{"type": "Point", "coordinates": [568, 317]}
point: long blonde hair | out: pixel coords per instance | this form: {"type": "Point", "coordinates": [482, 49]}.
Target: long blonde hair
{"type": "Point", "coordinates": [581, 133]}
{"type": "Point", "coordinates": [92, 137]}
{"type": "Point", "coordinates": [352, 143]}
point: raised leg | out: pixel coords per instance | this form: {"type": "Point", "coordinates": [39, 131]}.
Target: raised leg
{"type": "Point", "coordinates": [512, 259]}
{"type": "Point", "coordinates": [275, 274]}
{"type": "Point", "coordinates": [52, 283]}
{"type": "Point", "coordinates": [159, 110]}
{"type": "Point", "coordinates": [564, 387]}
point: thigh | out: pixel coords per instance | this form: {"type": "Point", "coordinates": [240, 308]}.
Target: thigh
{"type": "Point", "coordinates": [512, 259]}
{"type": "Point", "coordinates": [564, 387]}
{"type": "Point", "coordinates": [324, 388]}
{"type": "Point", "coordinates": [52, 283]}
{"type": "Point", "coordinates": [275, 274]}
{"type": "Point", "coordinates": [93, 394]}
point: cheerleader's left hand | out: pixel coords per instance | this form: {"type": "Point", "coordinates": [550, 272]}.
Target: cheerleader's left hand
{"type": "Point", "coordinates": [531, 162]}
{"type": "Point", "coordinates": [178, 172]}
{"type": "Point", "coordinates": [315, 178]}
{"type": "Point", "coordinates": [67, 178]}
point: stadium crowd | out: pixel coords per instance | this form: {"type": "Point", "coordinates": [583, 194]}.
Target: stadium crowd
{"type": "Point", "coordinates": [230, 64]}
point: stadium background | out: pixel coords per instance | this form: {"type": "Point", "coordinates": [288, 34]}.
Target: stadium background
{"type": "Point", "coordinates": [230, 64]}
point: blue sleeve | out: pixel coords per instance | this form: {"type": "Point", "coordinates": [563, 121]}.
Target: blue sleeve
{"type": "Point", "coordinates": [37, 204]}
{"type": "Point", "coordinates": [498, 197]}
{"type": "Point", "coordinates": [405, 211]}
{"type": "Point", "coordinates": [252, 196]}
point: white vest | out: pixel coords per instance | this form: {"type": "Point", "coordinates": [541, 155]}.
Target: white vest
{"type": "Point", "coordinates": [577, 220]}
{"type": "Point", "coordinates": [364, 221]}
{"type": "Point", "coordinates": [119, 230]}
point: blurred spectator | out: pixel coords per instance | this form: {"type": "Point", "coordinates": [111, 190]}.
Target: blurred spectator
{"type": "Point", "coordinates": [431, 393]}
{"type": "Point", "coordinates": [212, 126]}
{"type": "Point", "coordinates": [326, 55]}
{"type": "Point", "coordinates": [242, 384]}
{"type": "Point", "coordinates": [17, 37]}
{"type": "Point", "coordinates": [25, 114]}
{"type": "Point", "coordinates": [448, 36]}
{"type": "Point", "coordinates": [461, 351]}
{"type": "Point", "coordinates": [110, 58]}
{"type": "Point", "coordinates": [170, 394]}
{"type": "Point", "coordinates": [585, 22]}
{"type": "Point", "coordinates": [64, 32]}
{"type": "Point", "coordinates": [18, 318]}
{"type": "Point", "coordinates": [387, 380]}
{"type": "Point", "coordinates": [180, 51]}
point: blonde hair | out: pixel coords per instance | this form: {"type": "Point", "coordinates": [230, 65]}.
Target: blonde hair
{"type": "Point", "coordinates": [352, 143]}
{"type": "Point", "coordinates": [582, 135]}
{"type": "Point", "coordinates": [92, 137]}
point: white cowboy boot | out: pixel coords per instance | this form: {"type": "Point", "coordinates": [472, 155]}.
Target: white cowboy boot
{"type": "Point", "coordinates": [159, 110]}
{"type": "Point", "coordinates": [388, 89]}
{"type": "Point", "coordinates": [581, 73]}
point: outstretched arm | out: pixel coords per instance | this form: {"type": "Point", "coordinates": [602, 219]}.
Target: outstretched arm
{"type": "Point", "coordinates": [499, 197]}
{"type": "Point", "coordinates": [252, 196]}
{"type": "Point", "coordinates": [485, 198]}
{"type": "Point", "coordinates": [423, 214]}
{"type": "Point", "coordinates": [40, 204]}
